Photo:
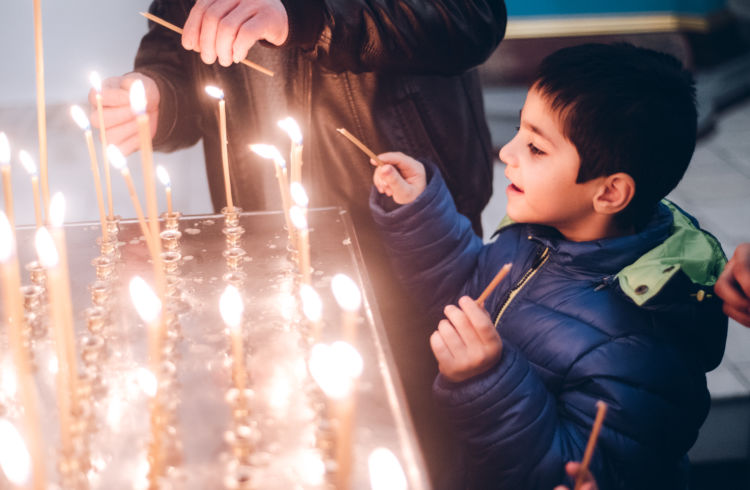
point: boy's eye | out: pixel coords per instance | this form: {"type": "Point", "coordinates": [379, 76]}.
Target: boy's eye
{"type": "Point", "coordinates": [534, 150]}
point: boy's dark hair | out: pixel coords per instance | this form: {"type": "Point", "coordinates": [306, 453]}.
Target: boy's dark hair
{"type": "Point", "coordinates": [626, 109]}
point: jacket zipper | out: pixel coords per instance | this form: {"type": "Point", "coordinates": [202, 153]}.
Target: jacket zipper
{"type": "Point", "coordinates": [538, 263]}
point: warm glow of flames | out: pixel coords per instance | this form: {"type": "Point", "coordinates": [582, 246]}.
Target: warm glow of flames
{"type": "Point", "coordinates": [114, 155]}
{"type": "Point", "coordinates": [163, 176]}
{"type": "Point", "coordinates": [270, 152]}
{"type": "Point", "coordinates": [57, 210]}
{"type": "Point", "coordinates": [96, 81]}
{"type": "Point", "coordinates": [144, 299]}
{"type": "Point", "coordinates": [335, 368]}
{"type": "Point", "coordinates": [4, 149]}
{"type": "Point", "coordinates": [45, 249]}
{"type": "Point", "coordinates": [312, 306]}
{"type": "Point", "coordinates": [291, 128]}
{"type": "Point", "coordinates": [215, 92]}
{"type": "Point", "coordinates": [138, 97]}
{"type": "Point", "coordinates": [279, 393]}
{"type": "Point", "coordinates": [147, 381]}
{"type": "Point", "coordinates": [346, 292]}
{"type": "Point", "coordinates": [80, 117]}
{"type": "Point", "coordinates": [9, 379]}
{"type": "Point", "coordinates": [386, 472]}
{"type": "Point", "coordinates": [231, 307]}
{"type": "Point", "coordinates": [14, 456]}
{"type": "Point", "coordinates": [312, 468]}
{"type": "Point", "coordinates": [6, 238]}
{"type": "Point", "coordinates": [297, 215]}
{"type": "Point", "coordinates": [27, 162]}
{"type": "Point", "coordinates": [299, 196]}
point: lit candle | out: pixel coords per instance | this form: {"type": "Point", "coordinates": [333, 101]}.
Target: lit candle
{"type": "Point", "coordinates": [49, 259]}
{"type": "Point", "coordinates": [335, 369]}
{"type": "Point", "coordinates": [96, 82]}
{"type": "Point", "coordinates": [291, 128]}
{"type": "Point", "coordinates": [272, 153]}
{"type": "Point", "coordinates": [56, 216]}
{"type": "Point", "coordinates": [217, 93]}
{"type": "Point", "coordinates": [15, 459]}
{"type": "Point", "coordinates": [13, 308]}
{"type": "Point", "coordinates": [138, 105]}
{"type": "Point", "coordinates": [83, 122]}
{"type": "Point", "coordinates": [163, 176]}
{"type": "Point", "coordinates": [231, 308]}
{"type": "Point", "coordinates": [40, 99]}
{"type": "Point", "coordinates": [386, 472]}
{"type": "Point", "coordinates": [297, 215]}
{"type": "Point", "coordinates": [117, 160]}
{"type": "Point", "coordinates": [149, 307]}
{"type": "Point", "coordinates": [349, 299]}
{"type": "Point", "coordinates": [30, 166]}
{"type": "Point", "coordinates": [312, 307]}
{"type": "Point", "coordinates": [7, 182]}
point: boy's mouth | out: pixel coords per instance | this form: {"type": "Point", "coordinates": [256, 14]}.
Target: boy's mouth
{"type": "Point", "coordinates": [513, 187]}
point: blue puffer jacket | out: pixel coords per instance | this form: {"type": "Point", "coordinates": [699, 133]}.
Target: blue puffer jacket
{"type": "Point", "coordinates": [626, 320]}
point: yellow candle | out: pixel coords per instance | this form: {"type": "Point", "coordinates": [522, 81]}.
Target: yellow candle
{"type": "Point", "coordinates": [291, 128]}
{"type": "Point", "coordinates": [13, 308]}
{"type": "Point", "coordinates": [30, 166]}
{"type": "Point", "coordinates": [7, 182]}
{"type": "Point", "coordinates": [349, 299]}
{"type": "Point", "coordinates": [96, 82]}
{"type": "Point", "coordinates": [217, 93]}
{"type": "Point", "coordinates": [163, 176]}
{"type": "Point", "coordinates": [299, 220]}
{"type": "Point", "coordinates": [83, 122]}
{"type": "Point", "coordinates": [272, 153]}
{"type": "Point", "coordinates": [40, 99]}
{"type": "Point", "coordinates": [231, 308]}
{"type": "Point", "coordinates": [312, 307]}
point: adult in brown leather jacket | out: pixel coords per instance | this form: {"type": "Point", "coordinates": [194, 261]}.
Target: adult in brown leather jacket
{"type": "Point", "coordinates": [398, 75]}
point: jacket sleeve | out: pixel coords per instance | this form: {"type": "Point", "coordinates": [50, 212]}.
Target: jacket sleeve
{"type": "Point", "coordinates": [439, 37]}
{"type": "Point", "coordinates": [432, 246]}
{"type": "Point", "coordinates": [162, 57]}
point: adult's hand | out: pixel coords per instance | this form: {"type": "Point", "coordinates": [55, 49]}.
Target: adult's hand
{"type": "Point", "coordinates": [227, 29]}
{"type": "Point", "coordinates": [119, 119]}
{"type": "Point", "coordinates": [733, 286]}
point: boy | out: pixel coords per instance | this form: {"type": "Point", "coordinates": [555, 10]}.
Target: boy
{"type": "Point", "coordinates": [607, 297]}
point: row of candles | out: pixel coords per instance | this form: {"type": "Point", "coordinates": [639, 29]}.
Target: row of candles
{"type": "Point", "coordinates": [324, 364]}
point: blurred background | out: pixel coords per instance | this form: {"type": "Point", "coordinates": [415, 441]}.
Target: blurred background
{"type": "Point", "coordinates": [712, 37]}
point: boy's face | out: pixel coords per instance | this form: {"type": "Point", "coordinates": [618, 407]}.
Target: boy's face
{"type": "Point", "coordinates": [542, 166]}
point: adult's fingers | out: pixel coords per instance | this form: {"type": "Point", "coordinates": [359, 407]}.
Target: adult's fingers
{"type": "Point", "coordinates": [248, 34]}
{"type": "Point", "coordinates": [119, 135]}
{"type": "Point", "coordinates": [728, 287]}
{"type": "Point", "coordinates": [113, 116]}
{"type": "Point", "coordinates": [192, 29]}
{"type": "Point", "coordinates": [130, 145]}
{"type": "Point", "coordinates": [209, 28]}
{"type": "Point", "coordinates": [741, 315]}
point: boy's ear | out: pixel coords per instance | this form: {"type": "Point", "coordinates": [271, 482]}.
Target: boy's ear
{"type": "Point", "coordinates": [614, 194]}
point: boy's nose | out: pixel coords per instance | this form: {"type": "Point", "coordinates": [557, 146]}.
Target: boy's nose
{"type": "Point", "coordinates": [505, 154]}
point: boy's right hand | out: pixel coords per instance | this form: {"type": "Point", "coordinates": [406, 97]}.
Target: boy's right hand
{"type": "Point", "coordinates": [119, 120]}
{"type": "Point", "coordinates": [402, 177]}
{"type": "Point", "coordinates": [572, 469]}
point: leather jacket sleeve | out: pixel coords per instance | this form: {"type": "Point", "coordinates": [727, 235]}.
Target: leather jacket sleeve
{"type": "Point", "coordinates": [435, 37]}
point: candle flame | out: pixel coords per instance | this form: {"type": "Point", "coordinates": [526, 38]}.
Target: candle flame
{"type": "Point", "coordinates": [386, 472]}
{"type": "Point", "coordinates": [57, 210]}
{"type": "Point", "coordinates": [163, 176]}
{"type": "Point", "coordinates": [299, 196]}
{"type": "Point", "coordinates": [138, 97]}
{"type": "Point", "coordinates": [335, 368]}
{"type": "Point", "coordinates": [144, 299]}
{"type": "Point", "coordinates": [215, 92]}
{"type": "Point", "coordinates": [45, 249]}
{"type": "Point", "coordinates": [312, 467]}
{"type": "Point", "coordinates": [346, 292]}
{"type": "Point", "coordinates": [4, 149]}
{"type": "Point", "coordinates": [96, 81]}
{"type": "Point", "coordinates": [270, 152]}
{"type": "Point", "coordinates": [80, 117]}
{"type": "Point", "coordinates": [291, 128]}
{"type": "Point", "coordinates": [312, 306]}
{"type": "Point", "coordinates": [147, 381]}
{"type": "Point", "coordinates": [297, 215]}
{"type": "Point", "coordinates": [14, 456]}
{"type": "Point", "coordinates": [231, 308]}
{"type": "Point", "coordinates": [7, 242]}
{"type": "Point", "coordinates": [114, 155]}
{"type": "Point", "coordinates": [9, 379]}
{"type": "Point", "coordinates": [27, 162]}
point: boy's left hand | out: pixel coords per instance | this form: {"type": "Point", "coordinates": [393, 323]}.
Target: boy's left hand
{"type": "Point", "coordinates": [466, 343]}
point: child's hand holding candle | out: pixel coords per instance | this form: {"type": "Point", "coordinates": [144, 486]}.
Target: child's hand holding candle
{"type": "Point", "coordinates": [400, 177]}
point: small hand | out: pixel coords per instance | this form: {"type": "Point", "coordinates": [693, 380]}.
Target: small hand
{"type": "Point", "coordinates": [119, 119]}
{"type": "Point", "coordinates": [733, 286]}
{"type": "Point", "coordinates": [466, 343]}
{"type": "Point", "coordinates": [227, 29]}
{"type": "Point", "coordinates": [402, 177]}
{"type": "Point", "coordinates": [572, 469]}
